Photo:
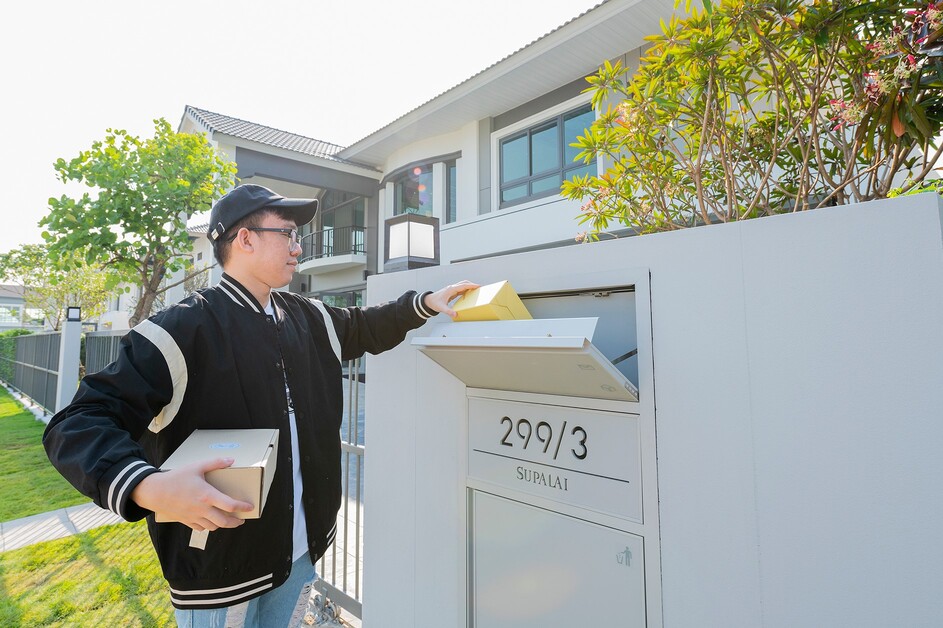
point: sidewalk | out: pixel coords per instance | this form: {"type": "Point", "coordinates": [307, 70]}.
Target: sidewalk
{"type": "Point", "coordinates": [53, 525]}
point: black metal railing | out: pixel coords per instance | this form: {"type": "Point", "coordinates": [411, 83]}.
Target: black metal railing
{"type": "Point", "coordinates": [340, 570]}
{"type": "Point", "coordinates": [31, 367]}
{"type": "Point", "coordinates": [332, 242]}
{"type": "Point", "coordinates": [101, 349]}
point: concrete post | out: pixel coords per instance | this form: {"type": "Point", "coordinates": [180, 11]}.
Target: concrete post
{"type": "Point", "coordinates": [70, 341]}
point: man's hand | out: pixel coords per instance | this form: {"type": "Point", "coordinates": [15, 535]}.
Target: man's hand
{"type": "Point", "coordinates": [439, 300]}
{"type": "Point", "coordinates": [184, 495]}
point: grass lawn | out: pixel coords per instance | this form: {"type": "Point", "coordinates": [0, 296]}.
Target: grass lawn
{"type": "Point", "coordinates": [105, 577]}
{"type": "Point", "coordinates": [29, 484]}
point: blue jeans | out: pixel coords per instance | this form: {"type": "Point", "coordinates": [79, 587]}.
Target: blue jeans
{"type": "Point", "coordinates": [270, 609]}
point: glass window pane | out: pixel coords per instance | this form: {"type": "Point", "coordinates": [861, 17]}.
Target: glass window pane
{"type": "Point", "coordinates": [414, 192]}
{"type": "Point", "coordinates": [35, 316]}
{"type": "Point", "coordinates": [343, 216]}
{"type": "Point", "coordinates": [9, 314]}
{"type": "Point", "coordinates": [358, 214]}
{"type": "Point", "coordinates": [452, 199]}
{"type": "Point", "coordinates": [514, 159]}
{"type": "Point", "coordinates": [545, 149]}
{"type": "Point", "coordinates": [583, 170]}
{"type": "Point", "coordinates": [575, 125]}
{"type": "Point", "coordinates": [513, 194]}
{"type": "Point", "coordinates": [540, 186]}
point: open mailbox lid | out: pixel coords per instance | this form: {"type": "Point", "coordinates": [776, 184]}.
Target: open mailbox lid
{"type": "Point", "coordinates": [549, 356]}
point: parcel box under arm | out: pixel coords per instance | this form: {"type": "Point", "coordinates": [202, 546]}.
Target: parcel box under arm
{"type": "Point", "coordinates": [249, 477]}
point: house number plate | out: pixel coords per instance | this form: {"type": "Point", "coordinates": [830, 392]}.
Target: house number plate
{"type": "Point", "coordinates": [587, 458]}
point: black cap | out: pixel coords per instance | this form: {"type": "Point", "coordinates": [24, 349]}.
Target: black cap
{"type": "Point", "coordinates": [245, 199]}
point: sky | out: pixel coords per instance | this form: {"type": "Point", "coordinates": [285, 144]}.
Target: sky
{"type": "Point", "coordinates": [334, 71]}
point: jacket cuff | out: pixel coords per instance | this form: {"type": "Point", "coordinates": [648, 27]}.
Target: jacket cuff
{"type": "Point", "coordinates": [116, 485]}
{"type": "Point", "coordinates": [419, 305]}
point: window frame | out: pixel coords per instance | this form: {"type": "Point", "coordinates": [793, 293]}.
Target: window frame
{"type": "Point", "coordinates": [451, 191]}
{"type": "Point", "coordinates": [12, 313]}
{"type": "Point", "coordinates": [427, 169]}
{"type": "Point", "coordinates": [527, 127]}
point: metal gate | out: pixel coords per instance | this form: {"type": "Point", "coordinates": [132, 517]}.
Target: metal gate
{"type": "Point", "coordinates": [340, 570]}
{"type": "Point", "coordinates": [31, 367]}
{"type": "Point", "coordinates": [101, 349]}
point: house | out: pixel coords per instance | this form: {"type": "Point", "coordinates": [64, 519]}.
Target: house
{"type": "Point", "coordinates": [338, 249]}
{"type": "Point", "coordinates": [118, 309]}
{"type": "Point", "coordinates": [485, 158]}
{"type": "Point", "coordinates": [14, 314]}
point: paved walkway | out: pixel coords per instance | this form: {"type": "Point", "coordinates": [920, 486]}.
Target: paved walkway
{"type": "Point", "coordinates": [53, 525]}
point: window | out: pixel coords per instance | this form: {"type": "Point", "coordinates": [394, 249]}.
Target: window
{"type": "Point", "coordinates": [343, 299]}
{"type": "Point", "coordinates": [451, 197]}
{"type": "Point", "coordinates": [535, 161]}
{"type": "Point", "coordinates": [35, 317]}
{"type": "Point", "coordinates": [341, 227]}
{"type": "Point", "coordinates": [10, 314]}
{"type": "Point", "coordinates": [413, 192]}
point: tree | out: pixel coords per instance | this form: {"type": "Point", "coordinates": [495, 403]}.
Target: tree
{"type": "Point", "coordinates": [750, 108]}
{"type": "Point", "coordinates": [134, 220]}
{"type": "Point", "coordinates": [47, 287]}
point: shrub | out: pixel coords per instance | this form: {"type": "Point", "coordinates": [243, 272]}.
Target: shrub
{"type": "Point", "coordinates": [752, 108]}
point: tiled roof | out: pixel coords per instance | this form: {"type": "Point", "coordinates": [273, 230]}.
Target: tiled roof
{"type": "Point", "coordinates": [266, 135]}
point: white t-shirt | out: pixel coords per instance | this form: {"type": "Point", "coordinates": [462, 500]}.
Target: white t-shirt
{"type": "Point", "coordinates": [299, 533]}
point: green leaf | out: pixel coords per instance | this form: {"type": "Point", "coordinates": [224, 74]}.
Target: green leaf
{"type": "Point", "coordinates": [920, 120]}
{"type": "Point", "coordinates": [142, 188]}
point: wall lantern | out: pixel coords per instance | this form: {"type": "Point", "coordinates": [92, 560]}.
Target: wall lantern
{"type": "Point", "coordinates": [73, 314]}
{"type": "Point", "coordinates": [412, 241]}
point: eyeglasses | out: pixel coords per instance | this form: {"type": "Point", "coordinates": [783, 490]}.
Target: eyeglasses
{"type": "Point", "coordinates": [291, 234]}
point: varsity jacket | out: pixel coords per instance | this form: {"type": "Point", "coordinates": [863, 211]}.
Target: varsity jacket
{"type": "Point", "coordinates": [217, 361]}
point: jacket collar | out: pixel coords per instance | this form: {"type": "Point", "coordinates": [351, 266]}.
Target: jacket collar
{"type": "Point", "coordinates": [241, 296]}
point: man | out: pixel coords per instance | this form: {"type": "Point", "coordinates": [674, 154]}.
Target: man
{"type": "Point", "coordinates": [238, 355]}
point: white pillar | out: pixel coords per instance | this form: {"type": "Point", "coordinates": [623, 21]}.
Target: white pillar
{"type": "Point", "coordinates": [70, 340]}
{"type": "Point", "coordinates": [384, 211]}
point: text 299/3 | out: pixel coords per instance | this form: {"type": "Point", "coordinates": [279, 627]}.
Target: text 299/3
{"type": "Point", "coordinates": [544, 437]}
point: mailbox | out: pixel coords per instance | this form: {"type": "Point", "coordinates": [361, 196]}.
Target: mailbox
{"type": "Point", "coordinates": [559, 475]}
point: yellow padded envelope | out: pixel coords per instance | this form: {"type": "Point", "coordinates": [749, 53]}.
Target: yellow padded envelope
{"type": "Point", "coordinates": [493, 302]}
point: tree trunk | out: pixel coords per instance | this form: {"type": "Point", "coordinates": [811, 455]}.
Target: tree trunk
{"type": "Point", "coordinates": [149, 289]}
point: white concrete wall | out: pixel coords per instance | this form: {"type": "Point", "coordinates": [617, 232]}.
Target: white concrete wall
{"type": "Point", "coordinates": [538, 222]}
{"type": "Point", "coordinates": [797, 385]}
{"type": "Point", "coordinates": [341, 280]}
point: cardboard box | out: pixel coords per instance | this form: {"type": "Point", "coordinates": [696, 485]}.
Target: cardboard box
{"type": "Point", "coordinates": [250, 476]}
{"type": "Point", "coordinates": [494, 302]}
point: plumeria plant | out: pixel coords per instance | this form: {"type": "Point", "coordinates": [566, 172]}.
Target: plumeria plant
{"type": "Point", "coordinates": [748, 108]}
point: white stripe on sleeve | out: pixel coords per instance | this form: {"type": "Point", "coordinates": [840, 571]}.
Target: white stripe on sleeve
{"type": "Point", "coordinates": [177, 366]}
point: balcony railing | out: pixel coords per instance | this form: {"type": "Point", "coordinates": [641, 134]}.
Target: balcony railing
{"type": "Point", "coordinates": [333, 242]}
